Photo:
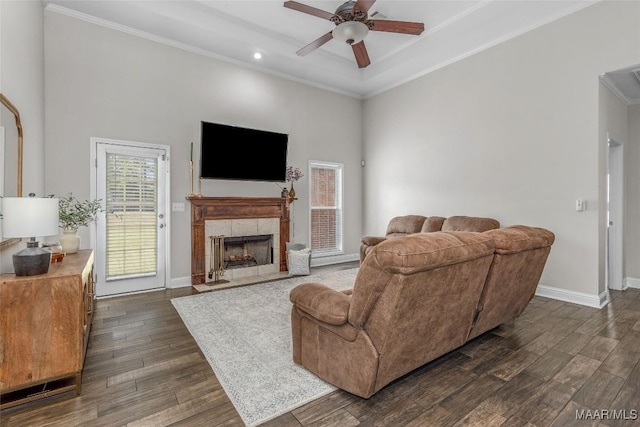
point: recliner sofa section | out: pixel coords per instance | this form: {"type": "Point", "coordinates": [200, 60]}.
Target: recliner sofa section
{"type": "Point", "coordinates": [410, 224]}
{"type": "Point", "coordinates": [415, 298]}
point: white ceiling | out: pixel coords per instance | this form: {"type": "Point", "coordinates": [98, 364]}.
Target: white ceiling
{"type": "Point", "coordinates": [234, 30]}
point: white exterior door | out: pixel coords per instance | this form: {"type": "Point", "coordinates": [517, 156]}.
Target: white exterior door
{"type": "Point", "coordinates": [132, 232]}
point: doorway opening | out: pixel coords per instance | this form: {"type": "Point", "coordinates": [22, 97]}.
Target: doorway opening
{"type": "Point", "coordinates": [614, 216]}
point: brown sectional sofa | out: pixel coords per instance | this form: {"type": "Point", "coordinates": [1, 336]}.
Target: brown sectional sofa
{"type": "Point", "coordinates": [415, 298]}
{"type": "Point", "coordinates": [410, 224]}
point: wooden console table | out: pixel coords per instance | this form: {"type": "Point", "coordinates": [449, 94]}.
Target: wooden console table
{"type": "Point", "coordinates": [44, 330]}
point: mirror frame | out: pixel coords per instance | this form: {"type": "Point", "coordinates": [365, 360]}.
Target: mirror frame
{"type": "Point", "coordinates": [16, 113]}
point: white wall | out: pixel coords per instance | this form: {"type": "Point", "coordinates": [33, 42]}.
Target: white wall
{"type": "Point", "coordinates": [632, 197]}
{"type": "Point", "coordinates": [104, 83]}
{"type": "Point", "coordinates": [510, 133]}
{"type": "Point", "coordinates": [22, 82]}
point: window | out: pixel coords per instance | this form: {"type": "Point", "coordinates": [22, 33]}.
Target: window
{"type": "Point", "coordinates": [131, 194]}
{"type": "Point", "coordinates": [326, 208]}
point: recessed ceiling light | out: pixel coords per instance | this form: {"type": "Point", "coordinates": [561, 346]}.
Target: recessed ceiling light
{"type": "Point", "coordinates": [257, 55]}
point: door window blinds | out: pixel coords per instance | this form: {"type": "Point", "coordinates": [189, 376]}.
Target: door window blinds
{"type": "Point", "coordinates": [132, 220]}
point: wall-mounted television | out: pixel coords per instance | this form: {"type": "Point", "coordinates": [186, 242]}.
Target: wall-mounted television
{"type": "Point", "coordinates": [231, 152]}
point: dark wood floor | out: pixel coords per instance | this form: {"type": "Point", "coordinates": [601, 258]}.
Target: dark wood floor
{"type": "Point", "coordinates": [143, 368]}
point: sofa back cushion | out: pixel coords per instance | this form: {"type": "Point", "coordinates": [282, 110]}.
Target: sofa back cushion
{"type": "Point", "coordinates": [469, 223]}
{"type": "Point", "coordinates": [432, 224]}
{"type": "Point", "coordinates": [521, 253]}
{"type": "Point", "coordinates": [415, 296]}
{"type": "Point", "coordinates": [402, 225]}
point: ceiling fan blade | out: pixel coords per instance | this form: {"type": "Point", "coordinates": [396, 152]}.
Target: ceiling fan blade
{"type": "Point", "coordinates": [364, 5]}
{"type": "Point", "coordinates": [362, 57]}
{"type": "Point", "coordinates": [315, 44]}
{"type": "Point", "coordinates": [308, 9]}
{"type": "Point", "coordinates": [404, 27]}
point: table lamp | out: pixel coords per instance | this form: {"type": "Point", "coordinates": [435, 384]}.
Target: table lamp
{"type": "Point", "coordinates": [29, 217]}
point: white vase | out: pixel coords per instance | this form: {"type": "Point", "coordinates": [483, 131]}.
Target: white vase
{"type": "Point", "coordinates": [70, 241]}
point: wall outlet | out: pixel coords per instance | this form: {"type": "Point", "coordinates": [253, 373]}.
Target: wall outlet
{"type": "Point", "coordinates": [177, 207]}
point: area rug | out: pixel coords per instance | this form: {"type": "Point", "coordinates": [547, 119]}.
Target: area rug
{"type": "Point", "coordinates": [245, 334]}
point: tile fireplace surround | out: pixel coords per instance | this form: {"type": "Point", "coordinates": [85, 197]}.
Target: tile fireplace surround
{"type": "Point", "coordinates": [244, 227]}
{"type": "Point", "coordinates": [206, 209]}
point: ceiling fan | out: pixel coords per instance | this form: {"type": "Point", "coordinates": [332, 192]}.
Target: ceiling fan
{"type": "Point", "coordinates": [352, 26]}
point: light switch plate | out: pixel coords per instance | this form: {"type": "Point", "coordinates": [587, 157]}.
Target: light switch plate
{"type": "Point", "coordinates": [177, 207]}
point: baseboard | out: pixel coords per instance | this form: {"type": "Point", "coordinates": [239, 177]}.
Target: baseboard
{"type": "Point", "coordinates": [590, 300]}
{"type": "Point", "coordinates": [631, 282]}
{"type": "Point", "coordinates": [179, 282]}
{"type": "Point", "coordinates": [336, 259]}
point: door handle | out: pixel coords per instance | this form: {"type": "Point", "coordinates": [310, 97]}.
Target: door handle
{"type": "Point", "coordinates": [161, 225]}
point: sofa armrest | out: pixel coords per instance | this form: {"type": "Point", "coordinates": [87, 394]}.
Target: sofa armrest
{"type": "Point", "coordinates": [322, 303]}
{"type": "Point", "coordinates": [372, 240]}
{"type": "Point", "coordinates": [368, 243]}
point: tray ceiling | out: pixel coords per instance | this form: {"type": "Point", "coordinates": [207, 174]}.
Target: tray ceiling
{"type": "Point", "coordinates": [234, 30]}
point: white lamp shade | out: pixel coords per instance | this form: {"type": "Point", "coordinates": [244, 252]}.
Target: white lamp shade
{"type": "Point", "coordinates": [351, 32]}
{"type": "Point", "coordinates": [29, 217]}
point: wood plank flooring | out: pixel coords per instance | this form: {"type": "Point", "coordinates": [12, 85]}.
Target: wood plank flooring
{"type": "Point", "coordinates": [557, 360]}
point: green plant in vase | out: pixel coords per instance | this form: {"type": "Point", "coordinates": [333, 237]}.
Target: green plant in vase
{"type": "Point", "coordinates": [74, 214]}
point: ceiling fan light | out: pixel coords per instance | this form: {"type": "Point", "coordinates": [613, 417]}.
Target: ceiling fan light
{"type": "Point", "coordinates": [350, 32]}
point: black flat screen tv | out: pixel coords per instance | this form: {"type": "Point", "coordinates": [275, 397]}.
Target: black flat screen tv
{"type": "Point", "coordinates": [231, 152]}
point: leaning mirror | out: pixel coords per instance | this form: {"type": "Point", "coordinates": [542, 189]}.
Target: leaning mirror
{"type": "Point", "coordinates": [11, 176]}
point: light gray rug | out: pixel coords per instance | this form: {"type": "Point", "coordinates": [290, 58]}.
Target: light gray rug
{"type": "Point", "coordinates": [245, 334]}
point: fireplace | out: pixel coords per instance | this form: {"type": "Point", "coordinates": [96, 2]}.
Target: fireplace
{"type": "Point", "coordinates": [237, 217]}
{"type": "Point", "coordinates": [248, 251]}
{"type": "Point", "coordinates": [244, 248]}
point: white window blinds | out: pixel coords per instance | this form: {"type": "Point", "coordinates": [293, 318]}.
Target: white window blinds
{"type": "Point", "coordinates": [326, 208]}
{"type": "Point", "coordinates": [131, 203]}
